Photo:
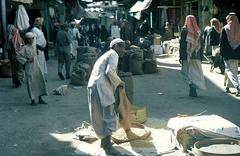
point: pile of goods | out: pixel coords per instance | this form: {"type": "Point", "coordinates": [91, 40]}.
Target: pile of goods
{"type": "Point", "coordinates": [201, 133]}
{"type": "Point", "coordinates": [86, 57]}
{"type": "Point", "coordinates": [139, 61]}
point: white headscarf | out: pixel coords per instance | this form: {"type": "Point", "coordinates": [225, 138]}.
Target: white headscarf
{"type": "Point", "coordinates": [22, 19]}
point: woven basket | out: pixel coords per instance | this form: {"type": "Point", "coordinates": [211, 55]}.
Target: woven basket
{"type": "Point", "coordinates": [138, 114]}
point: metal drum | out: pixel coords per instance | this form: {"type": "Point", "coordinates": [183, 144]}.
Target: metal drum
{"type": "Point", "coordinates": [217, 147]}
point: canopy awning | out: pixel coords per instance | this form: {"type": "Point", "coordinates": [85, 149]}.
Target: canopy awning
{"type": "Point", "coordinates": [140, 6]}
{"type": "Point", "coordinates": [24, 1]}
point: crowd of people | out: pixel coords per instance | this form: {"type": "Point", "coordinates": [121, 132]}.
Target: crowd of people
{"type": "Point", "coordinates": [107, 100]}
{"type": "Point", "coordinates": [66, 39]}
{"type": "Point", "coordinates": [108, 103]}
{"type": "Point", "coordinates": [222, 43]}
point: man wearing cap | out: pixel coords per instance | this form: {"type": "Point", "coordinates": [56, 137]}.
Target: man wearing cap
{"type": "Point", "coordinates": [104, 96]}
{"type": "Point", "coordinates": [36, 84]}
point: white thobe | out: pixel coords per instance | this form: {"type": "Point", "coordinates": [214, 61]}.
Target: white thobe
{"type": "Point", "coordinates": [104, 76]}
{"type": "Point", "coordinates": [193, 74]}
{"type": "Point", "coordinates": [103, 94]}
{"type": "Point", "coordinates": [75, 35]}
{"type": "Point", "coordinates": [41, 41]}
{"type": "Point", "coordinates": [115, 31]}
{"type": "Point", "coordinates": [36, 84]}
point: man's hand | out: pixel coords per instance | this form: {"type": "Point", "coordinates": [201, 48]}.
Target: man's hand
{"type": "Point", "coordinates": [122, 85]}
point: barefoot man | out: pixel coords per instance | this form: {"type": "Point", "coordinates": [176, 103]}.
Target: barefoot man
{"type": "Point", "coordinates": [107, 99]}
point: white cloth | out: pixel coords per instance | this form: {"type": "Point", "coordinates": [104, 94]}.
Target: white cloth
{"type": "Point", "coordinates": [215, 50]}
{"type": "Point", "coordinates": [35, 79]}
{"type": "Point", "coordinates": [164, 17]}
{"type": "Point", "coordinates": [209, 125]}
{"type": "Point", "coordinates": [61, 90]}
{"type": "Point", "coordinates": [74, 35]}
{"type": "Point", "coordinates": [103, 118]}
{"type": "Point", "coordinates": [41, 41]}
{"type": "Point", "coordinates": [115, 31]}
{"type": "Point", "coordinates": [231, 69]}
{"type": "Point", "coordinates": [39, 37]}
{"type": "Point", "coordinates": [104, 76]}
{"type": "Point", "coordinates": [22, 19]}
{"type": "Point", "coordinates": [29, 35]}
{"type": "Point", "coordinates": [193, 74]}
{"type": "Point", "coordinates": [42, 61]}
{"type": "Point", "coordinates": [24, 1]}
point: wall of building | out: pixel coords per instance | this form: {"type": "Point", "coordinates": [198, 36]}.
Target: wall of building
{"type": "Point", "coordinates": [205, 12]}
{"type": "Point", "coordinates": [201, 9]}
{"type": "Point", "coordinates": [223, 7]}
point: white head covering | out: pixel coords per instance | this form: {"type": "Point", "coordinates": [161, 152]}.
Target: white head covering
{"type": "Point", "coordinates": [21, 19]}
{"type": "Point", "coordinates": [29, 35]}
{"type": "Point", "coordinates": [115, 41]}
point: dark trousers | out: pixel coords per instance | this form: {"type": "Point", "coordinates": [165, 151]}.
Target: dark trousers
{"type": "Point", "coordinates": [64, 57]}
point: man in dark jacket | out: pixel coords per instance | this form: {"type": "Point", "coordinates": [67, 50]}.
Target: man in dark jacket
{"type": "Point", "coordinates": [214, 41]}
{"type": "Point", "coordinates": [230, 51]}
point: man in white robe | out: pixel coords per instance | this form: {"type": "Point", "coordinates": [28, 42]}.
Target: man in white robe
{"type": "Point", "coordinates": [75, 37]}
{"type": "Point", "coordinates": [115, 30]}
{"type": "Point", "coordinates": [41, 43]}
{"type": "Point", "coordinates": [36, 84]}
{"type": "Point", "coordinates": [106, 102]}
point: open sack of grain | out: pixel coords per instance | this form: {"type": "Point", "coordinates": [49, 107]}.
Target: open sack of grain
{"type": "Point", "coordinates": [188, 130]}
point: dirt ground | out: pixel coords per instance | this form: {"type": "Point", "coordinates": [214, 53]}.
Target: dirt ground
{"type": "Point", "coordinates": [48, 130]}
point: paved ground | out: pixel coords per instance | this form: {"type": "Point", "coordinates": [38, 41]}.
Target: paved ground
{"type": "Point", "coordinates": [48, 130]}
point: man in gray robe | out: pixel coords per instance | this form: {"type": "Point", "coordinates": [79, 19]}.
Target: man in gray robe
{"type": "Point", "coordinates": [103, 95]}
{"type": "Point", "coordinates": [36, 84]}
